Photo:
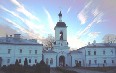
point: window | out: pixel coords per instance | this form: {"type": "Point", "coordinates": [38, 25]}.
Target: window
{"type": "Point", "coordinates": [35, 60]}
{"type": "Point", "coordinates": [76, 61]}
{"type": "Point", "coordinates": [61, 35]}
{"type": "Point", "coordinates": [29, 60]}
{"type": "Point", "coordinates": [89, 61]}
{"type": "Point", "coordinates": [35, 51]}
{"type": "Point", "coordinates": [94, 52]}
{"type": "Point", "coordinates": [89, 53]}
{"type": "Point", "coordinates": [19, 60]}
{"type": "Point", "coordinates": [95, 61]}
{"type": "Point", "coordinates": [104, 61]}
{"type": "Point", "coordinates": [104, 52]}
{"type": "Point", "coordinates": [112, 51]}
{"type": "Point", "coordinates": [29, 51]}
{"type": "Point", "coordinates": [20, 50]}
{"type": "Point", "coordinates": [47, 61]}
{"type": "Point", "coordinates": [112, 61]}
{"type": "Point", "coordinates": [9, 50]}
{"type": "Point", "coordinates": [51, 61]}
{"type": "Point", "coordinates": [8, 60]}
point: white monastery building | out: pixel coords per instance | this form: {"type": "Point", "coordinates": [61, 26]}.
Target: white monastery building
{"type": "Point", "coordinates": [12, 48]}
{"type": "Point", "coordinates": [92, 55]}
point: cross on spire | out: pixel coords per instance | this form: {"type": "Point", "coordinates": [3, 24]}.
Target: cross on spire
{"type": "Point", "coordinates": [60, 16]}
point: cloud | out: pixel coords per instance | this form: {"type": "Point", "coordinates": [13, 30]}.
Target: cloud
{"type": "Point", "coordinates": [31, 26]}
{"type": "Point", "coordinates": [24, 31]}
{"type": "Point", "coordinates": [82, 16]}
{"type": "Point", "coordinates": [96, 20]}
{"type": "Point", "coordinates": [50, 21]}
{"type": "Point", "coordinates": [24, 11]}
{"type": "Point", "coordinates": [68, 10]}
{"type": "Point", "coordinates": [95, 12]}
{"type": "Point", "coordinates": [6, 30]}
{"type": "Point", "coordinates": [93, 35]}
{"type": "Point", "coordinates": [73, 41]}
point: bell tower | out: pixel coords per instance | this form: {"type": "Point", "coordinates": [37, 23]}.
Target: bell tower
{"type": "Point", "coordinates": [60, 30]}
{"type": "Point", "coordinates": [60, 33]}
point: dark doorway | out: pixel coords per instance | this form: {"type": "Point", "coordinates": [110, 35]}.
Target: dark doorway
{"type": "Point", "coordinates": [62, 61]}
{"type": "Point", "coordinates": [79, 63]}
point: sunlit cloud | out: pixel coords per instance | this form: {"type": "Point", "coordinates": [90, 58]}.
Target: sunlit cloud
{"type": "Point", "coordinates": [73, 41]}
{"type": "Point", "coordinates": [31, 26]}
{"type": "Point", "coordinates": [82, 16]}
{"type": "Point", "coordinates": [24, 11]}
{"type": "Point", "coordinates": [50, 20]}
{"type": "Point", "coordinates": [24, 31]}
{"type": "Point", "coordinates": [95, 21]}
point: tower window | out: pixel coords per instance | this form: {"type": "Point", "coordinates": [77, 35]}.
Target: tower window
{"type": "Point", "coordinates": [61, 35]}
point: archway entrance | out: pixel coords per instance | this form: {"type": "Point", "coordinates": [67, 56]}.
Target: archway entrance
{"type": "Point", "coordinates": [62, 61]}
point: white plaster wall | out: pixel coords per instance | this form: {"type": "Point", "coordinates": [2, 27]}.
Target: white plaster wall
{"type": "Point", "coordinates": [49, 56]}
{"type": "Point", "coordinates": [15, 53]}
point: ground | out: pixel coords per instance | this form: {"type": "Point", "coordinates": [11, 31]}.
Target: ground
{"type": "Point", "coordinates": [53, 70]}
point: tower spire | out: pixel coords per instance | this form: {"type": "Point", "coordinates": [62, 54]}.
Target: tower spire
{"type": "Point", "coordinates": [60, 16]}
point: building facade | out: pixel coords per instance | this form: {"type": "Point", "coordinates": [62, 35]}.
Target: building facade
{"type": "Point", "coordinates": [96, 55]}
{"type": "Point", "coordinates": [12, 48]}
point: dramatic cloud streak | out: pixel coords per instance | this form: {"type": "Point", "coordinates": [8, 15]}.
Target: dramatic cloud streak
{"type": "Point", "coordinates": [82, 16]}
{"type": "Point", "coordinates": [22, 9]}
{"type": "Point", "coordinates": [50, 21]}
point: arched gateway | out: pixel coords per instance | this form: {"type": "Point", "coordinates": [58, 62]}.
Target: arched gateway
{"type": "Point", "coordinates": [62, 61]}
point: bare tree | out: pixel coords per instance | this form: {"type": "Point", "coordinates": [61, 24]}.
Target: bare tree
{"type": "Point", "coordinates": [48, 42]}
{"type": "Point", "coordinates": [109, 38]}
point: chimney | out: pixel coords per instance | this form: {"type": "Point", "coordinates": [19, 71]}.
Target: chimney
{"type": "Point", "coordinates": [17, 36]}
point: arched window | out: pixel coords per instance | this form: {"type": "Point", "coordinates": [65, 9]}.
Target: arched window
{"type": "Point", "coordinates": [61, 35]}
{"type": "Point", "coordinates": [47, 61]}
{"type": "Point", "coordinates": [51, 61]}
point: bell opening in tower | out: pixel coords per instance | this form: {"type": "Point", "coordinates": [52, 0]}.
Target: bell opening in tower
{"type": "Point", "coordinates": [61, 35]}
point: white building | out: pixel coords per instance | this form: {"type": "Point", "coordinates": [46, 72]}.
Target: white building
{"type": "Point", "coordinates": [12, 48]}
{"type": "Point", "coordinates": [92, 55]}
{"type": "Point", "coordinates": [96, 55]}
{"type": "Point", "coordinates": [59, 55]}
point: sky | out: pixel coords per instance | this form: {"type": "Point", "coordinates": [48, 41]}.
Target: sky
{"type": "Point", "coordinates": [87, 20]}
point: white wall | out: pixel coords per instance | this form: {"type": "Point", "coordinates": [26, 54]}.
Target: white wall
{"type": "Point", "coordinates": [15, 53]}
